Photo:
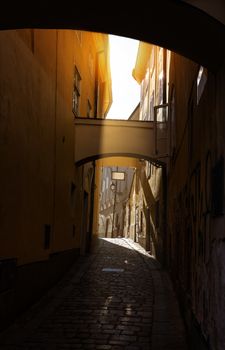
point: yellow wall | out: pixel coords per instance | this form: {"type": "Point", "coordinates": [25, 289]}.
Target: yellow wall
{"type": "Point", "coordinates": [92, 61]}
{"type": "Point", "coordinates": [37, 140]}
{"type": "Point", "coordinates": [28, 109]}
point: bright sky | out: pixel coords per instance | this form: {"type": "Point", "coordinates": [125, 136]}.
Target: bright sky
{"type": "Point", "coordinates": [125, 90]}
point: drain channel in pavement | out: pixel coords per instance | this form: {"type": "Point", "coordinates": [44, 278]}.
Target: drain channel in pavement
{"type": "Point", "coordinates": [110, 269]}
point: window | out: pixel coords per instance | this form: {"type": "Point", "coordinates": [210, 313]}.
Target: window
{"type": "Point", "coordinates": [160, 78]}
{"type": "Point", "coordinates": [160, 92]}
{"type": "Point", "coordinates": [148, 170]}
{"type": "Point", "coordinates": [79, 36]}
{"type": "Point", "coordinates": [201, 81]}
{"type": "Point", "coordinates": [172, 123]}
{"type": "Point", "coordinates": [145, 96]}
{"type": "Point", "coordinates": [89, 108]}
{"type": "Point", "coordinates": [76, 91]}
{"type": "Point", "coordinates": [151, 106]}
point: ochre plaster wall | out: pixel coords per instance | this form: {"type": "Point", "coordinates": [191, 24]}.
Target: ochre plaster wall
{"type": "Point", "coordinates": [37, 177]}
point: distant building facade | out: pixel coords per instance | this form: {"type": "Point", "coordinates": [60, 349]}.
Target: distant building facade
{"type": "Point", "coordinates": [113, 195]}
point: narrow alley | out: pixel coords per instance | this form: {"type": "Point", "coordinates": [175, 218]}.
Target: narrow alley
{"type": "Point", "coordinates": [116, 298]}
{"type": "Point", "coordinates": [112, 231]}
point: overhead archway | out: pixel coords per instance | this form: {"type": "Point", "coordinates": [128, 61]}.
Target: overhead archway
{"type": "Point", "coordinates": [191, 31]}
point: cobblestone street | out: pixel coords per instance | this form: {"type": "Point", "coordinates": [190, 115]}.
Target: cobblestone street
{"type": "Point", "coordinates": [117, 298]}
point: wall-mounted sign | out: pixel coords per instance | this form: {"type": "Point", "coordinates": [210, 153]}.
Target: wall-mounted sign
{"type": "Point", "coordinates": [118, 175]}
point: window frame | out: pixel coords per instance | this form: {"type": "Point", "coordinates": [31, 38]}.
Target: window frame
{"type": "Point", "coordinates": [76, 91]}
{"type": "Point", "coordinates": [89, 108]}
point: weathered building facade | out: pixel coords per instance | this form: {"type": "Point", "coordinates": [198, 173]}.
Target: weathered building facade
{"type": "Point", "coordinates": [112, 195]}
{"type": "Point", "coordinates": [195, 249]}
{"type": "Point", "coordinates": [146, 208]}
{"type": "Point", "coordinates": [191, 183]}
{"type": "Point", "coordinates": [147, 203]}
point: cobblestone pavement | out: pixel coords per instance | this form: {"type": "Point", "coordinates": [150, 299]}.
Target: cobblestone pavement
{"type": "Point", "coordinates": [118, 298]}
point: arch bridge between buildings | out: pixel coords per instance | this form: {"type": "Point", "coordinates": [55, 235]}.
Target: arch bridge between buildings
{"type": "Point", "coordinates": [97, 138]}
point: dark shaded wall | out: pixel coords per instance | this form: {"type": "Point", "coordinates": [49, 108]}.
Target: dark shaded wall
{"type": "Point", "coordinates": [37, 218]}
{"type": "Point", "coordinates": [195, 245]}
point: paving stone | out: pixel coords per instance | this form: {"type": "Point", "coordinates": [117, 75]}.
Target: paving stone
{"type": "Point", "coordinates": [117, 298]}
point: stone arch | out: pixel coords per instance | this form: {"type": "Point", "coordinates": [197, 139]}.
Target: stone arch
{"type": "Point", "coordinates": [157, 162]}
{"type": "Point", "coordinates": [194, 32]}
